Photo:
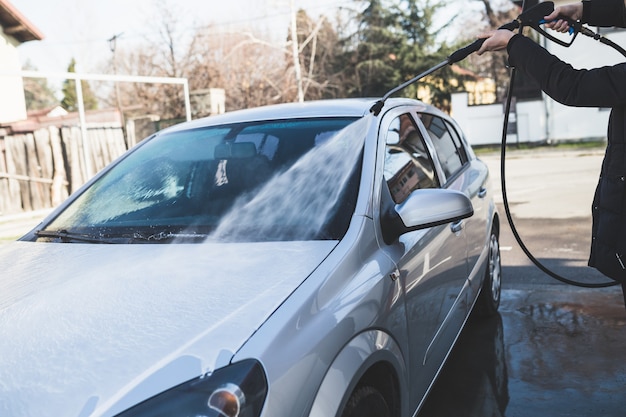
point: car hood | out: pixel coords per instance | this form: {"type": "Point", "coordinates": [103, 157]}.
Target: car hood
{"type": "Point", "coordinates": [92, 329]}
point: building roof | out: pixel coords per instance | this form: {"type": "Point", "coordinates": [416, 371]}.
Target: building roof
{"type": "Point", "coordinates": [16, 25]}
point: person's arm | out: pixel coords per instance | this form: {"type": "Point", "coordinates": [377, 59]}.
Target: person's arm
{"type": "Point", "coordinates": [603, 13]}
{"type": "Point", "coordinates": [599, 87]}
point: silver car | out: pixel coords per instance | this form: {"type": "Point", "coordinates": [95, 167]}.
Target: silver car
{"type": "Point", "coordinates": [294, 260]}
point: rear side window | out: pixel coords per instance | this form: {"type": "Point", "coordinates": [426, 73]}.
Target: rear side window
{"type": "Point", "coordinates": [447, 143]}
{"type": "Point", "coordinates": [408, 165]}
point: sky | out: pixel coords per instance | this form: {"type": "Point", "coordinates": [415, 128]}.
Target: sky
{"type": "Point", "coordinates": [80, 29]}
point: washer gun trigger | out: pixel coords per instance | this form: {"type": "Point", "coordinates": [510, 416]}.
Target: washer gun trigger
{"type": "Point", "coordinates": [534, 17]}
{"type": "Point", "coordinates": [571, 30]}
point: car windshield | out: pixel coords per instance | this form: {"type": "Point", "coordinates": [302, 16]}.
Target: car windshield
{"type": "Point", "coordinates": [270, 180]}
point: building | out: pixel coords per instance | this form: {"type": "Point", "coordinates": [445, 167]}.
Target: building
{"type": "Point", "coordinates": [15, 29]}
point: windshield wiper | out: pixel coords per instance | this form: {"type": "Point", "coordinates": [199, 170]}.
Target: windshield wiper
{"type": "Point", "coordinates": [157, 237]}
{"type": "Point", "coordinates": [66, 236]}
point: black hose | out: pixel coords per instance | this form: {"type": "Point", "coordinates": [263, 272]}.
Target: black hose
{"type": "Point", "coordinates": [508, 211]}
{"type": "Point", "coordinates": [579, 27]}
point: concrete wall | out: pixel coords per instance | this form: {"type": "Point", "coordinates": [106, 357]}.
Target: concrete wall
{"type": "Point", "coordinates": [545, 120]}
{"type": "Point", "coordinates": [537, 121]}
{"type": "Point", "coordinates": [584, 53]}
{"type": "Point", "coordinates": [12, 103]}
{"type": "Point", "coordinates": [483, 124]}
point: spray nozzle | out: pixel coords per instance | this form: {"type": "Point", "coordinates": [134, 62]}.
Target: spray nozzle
{"type": "Point", "coordinates": [377, 107]}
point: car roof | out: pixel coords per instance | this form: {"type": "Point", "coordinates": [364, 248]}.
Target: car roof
{"type": "Point", "coordinates": [349, 107]}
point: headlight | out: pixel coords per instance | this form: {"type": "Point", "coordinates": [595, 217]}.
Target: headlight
{"type": "Point", "coordinates": [237, 390]}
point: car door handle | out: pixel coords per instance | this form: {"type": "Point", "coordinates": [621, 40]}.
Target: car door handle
{"type": "Point", "coordinates": [457, 227]}
{"type": "Point", "coordinates": [482, 192]}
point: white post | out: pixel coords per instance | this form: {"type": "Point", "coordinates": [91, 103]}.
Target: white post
{"type": "Point", "coordinates": [295, 50]}
{"type": "Point", "coordinates": [187, 100]}
{"type": "Point", "coordinates": [83, 130]}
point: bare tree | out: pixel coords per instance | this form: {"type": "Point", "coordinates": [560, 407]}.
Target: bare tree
{"type": "Point", "coordinates": [39, 94]}
{"type": "Point", "coordinates": [252, 70]}
{"type": "Point", "coordinates": [171, 53]}
{"type": "Point", "coordinates": [249, 69]}
{"type": "Point", "coordinates": [318, 47]}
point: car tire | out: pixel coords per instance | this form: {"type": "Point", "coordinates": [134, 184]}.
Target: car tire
{"type": "Point", "coordinates": [489, 298]}
{"type": "Point", "coordinates": [366, 401]}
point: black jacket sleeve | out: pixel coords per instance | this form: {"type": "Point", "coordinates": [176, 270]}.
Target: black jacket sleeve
{"type": "Point", "coordinates": [598, 87]}
{"type": "Point", "coordinates": [604, 13]}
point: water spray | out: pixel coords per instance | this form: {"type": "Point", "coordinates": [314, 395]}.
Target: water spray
{"type": "Point", "coordinates": [534, 18]}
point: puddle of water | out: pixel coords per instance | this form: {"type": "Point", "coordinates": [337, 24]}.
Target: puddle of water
{"type": "Point", "coordinates": [566, 340]}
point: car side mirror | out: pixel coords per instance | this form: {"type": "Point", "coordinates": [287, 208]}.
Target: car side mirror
{"type": "Point", "coordinates": [432, 207]}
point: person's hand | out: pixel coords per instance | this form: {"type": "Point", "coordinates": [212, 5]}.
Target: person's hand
{"type": "Point", "coordinates": [555, 19]}
{"type": "Point", "coordinates": [496, 40]}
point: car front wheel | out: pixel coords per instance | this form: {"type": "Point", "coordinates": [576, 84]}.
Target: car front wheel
{"type": "Point", "coordinates": [489, 298]}
{"type": "Point", "coordinates": [366, 401]}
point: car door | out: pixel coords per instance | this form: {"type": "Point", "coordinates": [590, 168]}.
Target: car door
{"type": "Point", "coordinates": [432, 262]}
{"type": "Point", "coordinates": [463, 172]}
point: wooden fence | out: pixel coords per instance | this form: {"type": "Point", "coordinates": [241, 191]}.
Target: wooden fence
{"type": "Point", "coordinates": [39, 170]}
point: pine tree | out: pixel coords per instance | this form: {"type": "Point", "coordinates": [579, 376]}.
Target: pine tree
{"type": "Point", "coordinates": [395, 41]}
{"type": "Point", "coordinates": [421, 51]}
{"type": "Point", "coordinates": [379, 38]}
{"type": "Point", "coordinates": [70, 102]}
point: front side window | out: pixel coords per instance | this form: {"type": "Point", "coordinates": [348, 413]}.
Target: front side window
{"type": "Point", "coordinates": [241, 180]}
{"type": "Point", "coordinates": [408, 165]}
{"type": "Point", "coordinates": [447, 143]}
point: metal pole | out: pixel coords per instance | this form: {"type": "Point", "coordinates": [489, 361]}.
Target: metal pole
{"type": "Point", "coordinates": [83, 130]}
{"type": "Point", "coordinates": [187, 101]}
{"type": "Point", "coordinates": [295, 50]}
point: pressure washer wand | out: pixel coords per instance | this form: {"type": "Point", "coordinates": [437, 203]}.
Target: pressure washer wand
{"type": "Point", "coordinates": [456, 56]}
{"type": "Point", "coordinates": [464, 52]}
{"type": "Point", "coordinates": [377, 107]}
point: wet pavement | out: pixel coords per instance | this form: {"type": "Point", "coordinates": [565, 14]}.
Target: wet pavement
{"type": "Point", "coordinates": [556, 351]}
